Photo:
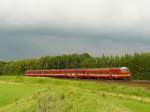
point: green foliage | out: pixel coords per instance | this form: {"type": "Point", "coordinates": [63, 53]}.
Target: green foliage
{"type": "Point", "coordinates": [139, 63]}
{"type": "Point", "coordinates": [2, 64]}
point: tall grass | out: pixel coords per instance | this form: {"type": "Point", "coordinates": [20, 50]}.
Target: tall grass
{"type": "Point", "coordinates": [116, 88]}
{"type": "Point", "coordinates": [66, 99]}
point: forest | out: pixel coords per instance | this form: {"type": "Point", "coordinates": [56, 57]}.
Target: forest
{"type": "Point", "coordinates": [138, 63]}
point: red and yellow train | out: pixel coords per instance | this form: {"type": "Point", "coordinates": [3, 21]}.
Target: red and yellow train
{"type": "Point", "coordinates": [94, 73]}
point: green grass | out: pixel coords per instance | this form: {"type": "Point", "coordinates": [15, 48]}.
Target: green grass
{"type": "Point", "coordinates": [27, 94]}
{"type": "Point", "coordinates": [12, 92]}
{"type": "Point", "coordinates": [115, 88]}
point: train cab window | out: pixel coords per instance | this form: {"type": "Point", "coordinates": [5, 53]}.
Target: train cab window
{"type": "Point", "coordinates": [124, 69]}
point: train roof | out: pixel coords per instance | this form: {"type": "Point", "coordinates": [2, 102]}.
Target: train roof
{"type": "Point", "coordinates": [83, 69]}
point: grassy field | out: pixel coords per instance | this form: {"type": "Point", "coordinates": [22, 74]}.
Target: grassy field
{"type": "Point", "coordinates": [28, 94]}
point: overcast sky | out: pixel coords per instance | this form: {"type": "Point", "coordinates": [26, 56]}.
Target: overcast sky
{"type": "Point", "coordinates": [33, 28]}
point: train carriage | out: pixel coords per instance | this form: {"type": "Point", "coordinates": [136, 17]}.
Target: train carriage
{"type": "Point", "coordinates": [93, 73]}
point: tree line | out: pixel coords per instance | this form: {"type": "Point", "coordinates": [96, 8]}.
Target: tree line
{"type": "Point", "coordinates": [138, 63]}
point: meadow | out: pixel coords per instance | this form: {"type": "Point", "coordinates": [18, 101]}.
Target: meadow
{"type": "Point", "coordinates": [28, 94]}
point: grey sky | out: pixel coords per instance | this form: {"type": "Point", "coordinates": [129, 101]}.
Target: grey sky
{"type": "Point", "coordinates": [31, 28]}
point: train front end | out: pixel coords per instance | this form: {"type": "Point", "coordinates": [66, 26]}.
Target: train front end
{"type": "Point", "coordinates": [125, 73]}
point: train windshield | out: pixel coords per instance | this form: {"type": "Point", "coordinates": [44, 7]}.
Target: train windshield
{"type": "Point", "coordinates": [125, 69]}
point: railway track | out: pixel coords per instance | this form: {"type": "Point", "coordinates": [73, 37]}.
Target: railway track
{"type": "Point", "coordinates": [111, 81]}
{"type": "Point", "coordinates": [140, 81]}
{"type": "Point", "coordinates": [133, 83]}
{"type": "Point", "coordinates": [117, 81]}
{"type": "Point", "coordinates": [124, 81]}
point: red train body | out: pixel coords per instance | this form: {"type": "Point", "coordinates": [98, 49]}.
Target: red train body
{"type": "Point", "coordinates": [97, 73]}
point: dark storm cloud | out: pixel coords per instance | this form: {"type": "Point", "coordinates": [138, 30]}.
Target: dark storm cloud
{"type": "Point", "coordinates": [30, 28]}
{"type": "Point", "coordinates": [30, 42]}
{"type": "Point", "coordinates": [66, 33]}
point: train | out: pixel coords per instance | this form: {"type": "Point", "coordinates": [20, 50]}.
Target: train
{"type": "Point", "coordinates": [89, 73]}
